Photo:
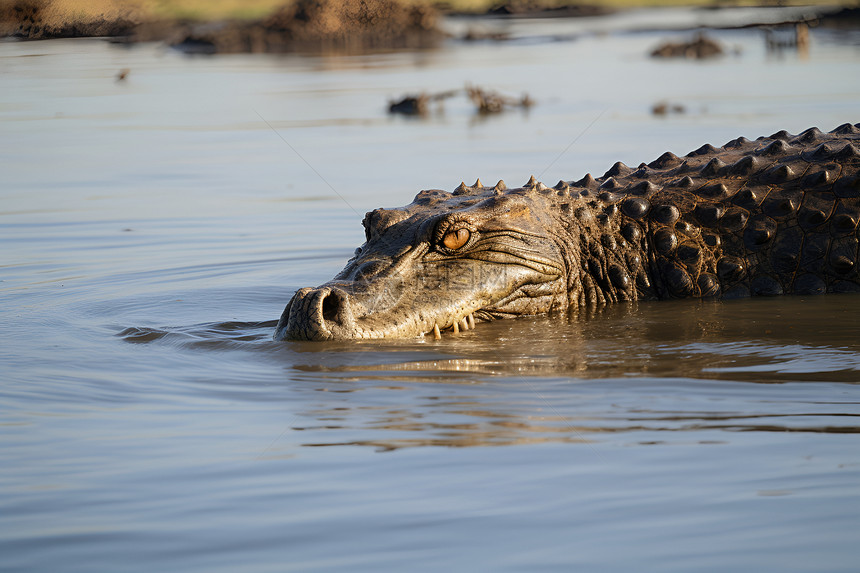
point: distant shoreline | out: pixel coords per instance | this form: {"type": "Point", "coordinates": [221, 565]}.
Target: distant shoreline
{"type": "Point", "coordinates": [270, 26]}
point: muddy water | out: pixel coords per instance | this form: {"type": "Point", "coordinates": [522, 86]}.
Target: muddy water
{"type": "Point", "coordinates": [153, 228]}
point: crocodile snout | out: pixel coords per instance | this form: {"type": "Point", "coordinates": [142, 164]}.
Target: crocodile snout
{"type": "Point", "coordinates": [320, 313]}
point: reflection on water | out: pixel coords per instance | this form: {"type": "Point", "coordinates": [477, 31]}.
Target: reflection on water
{"type": "Point", "coordinates": [446, 393]}
{"type": "Point", "coordinates": [153, 230]}
{"type": "Point", "coordinates": [755, 340]}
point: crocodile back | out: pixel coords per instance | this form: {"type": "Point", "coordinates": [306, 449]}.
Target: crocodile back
{"type": "Point", "coordinates": [772, 216]}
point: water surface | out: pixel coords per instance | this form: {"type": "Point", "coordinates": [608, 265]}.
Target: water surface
{"type": "Point", "coordinates": [153, 229]}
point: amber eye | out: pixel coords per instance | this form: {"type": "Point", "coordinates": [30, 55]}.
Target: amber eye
{"type": "Point", "coordinates": [456, 239]}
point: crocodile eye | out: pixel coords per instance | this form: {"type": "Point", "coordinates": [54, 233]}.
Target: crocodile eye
{"type": "Point", "coordinates": [456, 239]}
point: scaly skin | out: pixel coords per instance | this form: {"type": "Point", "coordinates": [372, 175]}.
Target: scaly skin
{"type": "Point", "coordinates": [777, 215]}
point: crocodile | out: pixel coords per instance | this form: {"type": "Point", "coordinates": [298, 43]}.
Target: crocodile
{"type": "Point", "coordinates": [777, 215]}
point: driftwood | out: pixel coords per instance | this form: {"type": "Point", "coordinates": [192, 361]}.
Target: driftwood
{"type": "Point", "coordinates": [486, 101]}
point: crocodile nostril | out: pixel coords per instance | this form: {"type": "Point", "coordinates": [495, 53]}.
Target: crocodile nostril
{"type": "Point", "coordinates": [330, 307]}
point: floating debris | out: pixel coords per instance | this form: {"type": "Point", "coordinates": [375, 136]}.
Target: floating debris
{"type": "Point", "coordinates": [489, 102]}
{"type": "Point", "coordinates": [666, 108]}
{"type": "Point", "coordinates": [418, 104]}
{"type": "Point", "coordinates": [486, 101]}
{"type": "Point", "coordinates": [410, 105]}
{"type": "Point", "coordinates": [700, 48]}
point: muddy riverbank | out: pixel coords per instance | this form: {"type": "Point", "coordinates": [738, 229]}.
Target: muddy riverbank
{"type": "Point", "coordinates": [325, 25]}
{"type": "Point", "coordinates": [302, 25]}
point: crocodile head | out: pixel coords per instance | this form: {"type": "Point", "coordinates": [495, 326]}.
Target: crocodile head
{"type": "Point", "coordinates": [439, 263]}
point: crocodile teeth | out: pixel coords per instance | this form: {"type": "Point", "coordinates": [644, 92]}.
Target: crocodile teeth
{"type": "Point", "coordinates": [462, 324]}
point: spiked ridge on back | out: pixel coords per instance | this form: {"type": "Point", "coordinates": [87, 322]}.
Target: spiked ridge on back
{"type": "Point", "coordinates": [740, 176]}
